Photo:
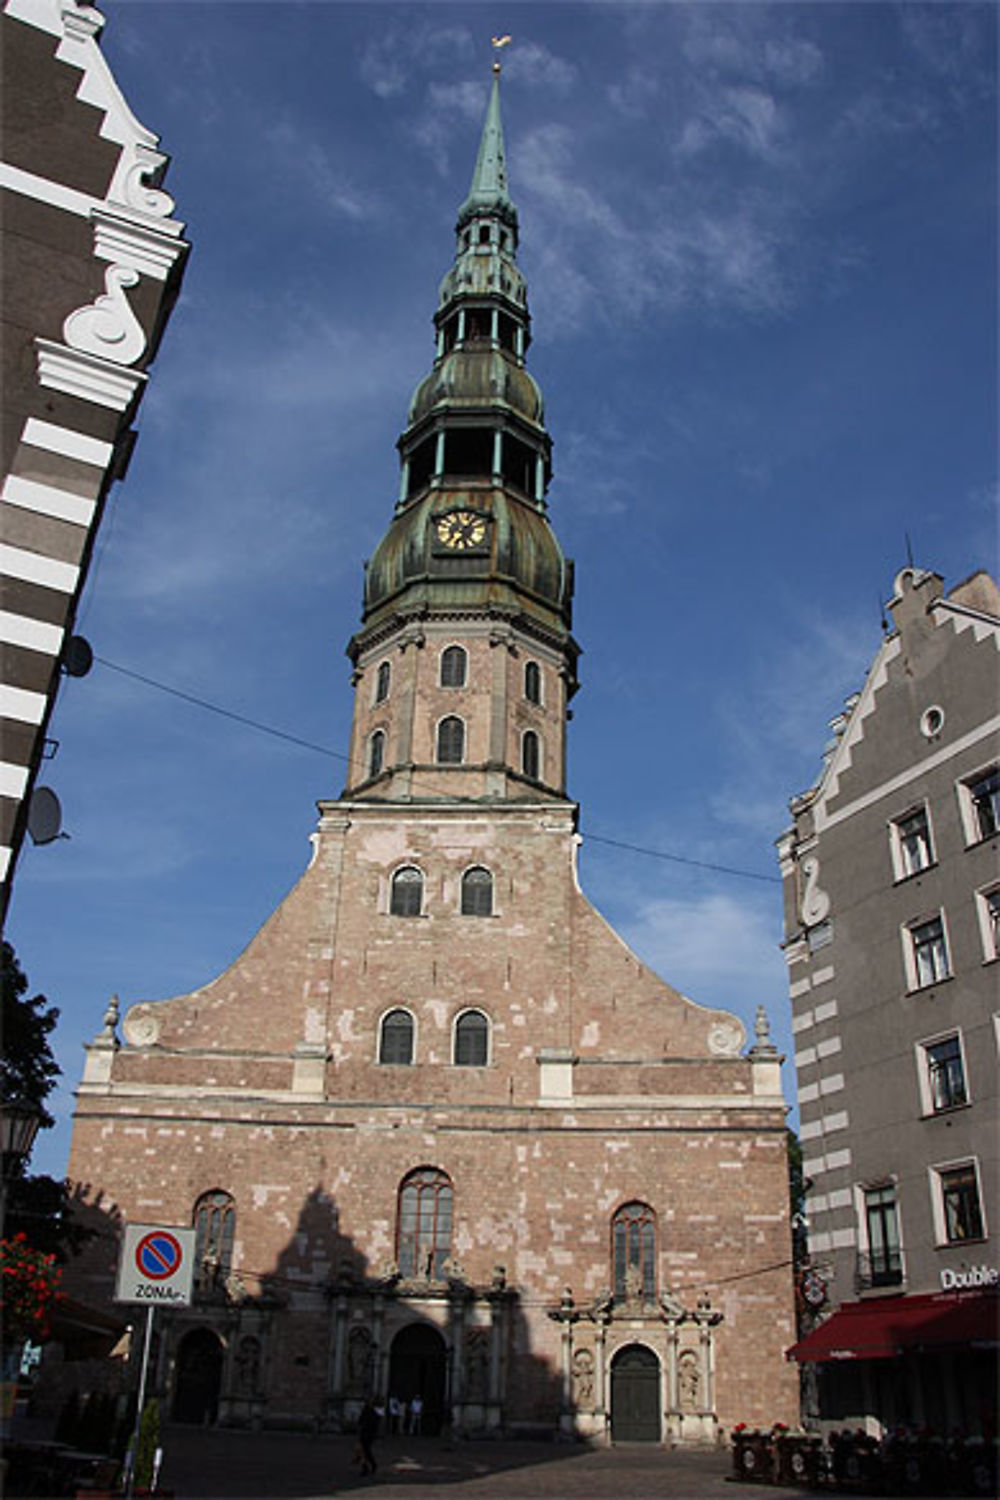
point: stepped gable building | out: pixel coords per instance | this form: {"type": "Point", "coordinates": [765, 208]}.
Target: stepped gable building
{"type": "Point", "coordinates": [92, 262]}
{"type": "Point", "coordinates": [892, 934]}
{"type": "Point", "coordinates": [440, 1132]}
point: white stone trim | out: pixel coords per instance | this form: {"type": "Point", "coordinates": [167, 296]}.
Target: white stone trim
{"type": "Point", "coordinates": [934, 1175]}
{"type": "Point", "coordinates": [923, 1068]}
{"type": "Point", "coordinates": [35, 567]}
{"type": "Point", "coordinates": [87, 376]}
{"type": "Point", "coordinates": [838, 1121]}
{"type": "Point", "coordinates": [47, 500]}
{"type": "Point", "coordinates": [805, 1058]}
{"type": "Point", "coordinates": [808, 1093]}
{"type": "Point", "coordinates": [64, 441]}
{"type": "Point", "coordinates": [843, 1239]}
{"type": "Point", "coordinates": [837, 1159]}
{"type": "Point", "coordinates": [35, 635]}
{"type": "Point", "coordinates": [991, 949]}
{"type": "Point", "coordinates": [13, 780]}
{"type": "Point", "coordinates": [43, 190]}
{"type": "Point", "coordinates": [963, 791]}
{"type": "Point", "coordinates": [20, 704]}
{"type": "Point", "coordinates": [5, 853]}
{"type": "Point", "coordinates": [833, 1084]}
{"type": "Point", "coordinates": [829, 1047]}
{"type": "Point", "coordinates": [826, 1011]}
{"type": "Point", "coordinates": [148, 249]}
{"type": "Point", "coordinates": [823, 976]}
{"type": "Point", "coordinates": [802, 1022]}
{"type": "Point", "coordinates": [799, 987]}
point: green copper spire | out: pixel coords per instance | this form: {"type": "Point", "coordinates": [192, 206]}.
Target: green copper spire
{"type": "Point", "coordinates": [488, 193]}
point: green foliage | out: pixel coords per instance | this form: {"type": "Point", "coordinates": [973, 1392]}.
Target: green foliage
{"type": "Point", "coordinates": [149, 1441]}
{"type": "Point", "coordinates": [27, 1067]}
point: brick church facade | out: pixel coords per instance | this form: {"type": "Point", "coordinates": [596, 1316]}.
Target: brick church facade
{"type": "Point", "coordinates": [440, 1131]}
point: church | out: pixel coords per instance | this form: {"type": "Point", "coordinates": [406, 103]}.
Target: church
{"type": "Point", "coordinates": [440, 1132]}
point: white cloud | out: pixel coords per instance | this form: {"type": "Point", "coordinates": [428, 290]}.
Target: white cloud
{"type": "Point", "coordinates": [707, 941]}
{"type": "Point", "coordinates": [746, 117]}
{"type": "Point", "coordinates": [536, 66]}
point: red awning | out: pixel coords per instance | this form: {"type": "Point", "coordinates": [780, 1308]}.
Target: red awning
{"type": "Point", "coordinates": [888, 1326]}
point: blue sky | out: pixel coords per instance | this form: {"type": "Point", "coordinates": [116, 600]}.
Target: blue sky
{"type": "Point", "coordinates": [760, 244]}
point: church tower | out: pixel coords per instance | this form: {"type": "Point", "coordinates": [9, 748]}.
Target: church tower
{"type": "Point", "coordinates": [439, 1131]}
{"type": "Point", "coordinates": [464, 665]}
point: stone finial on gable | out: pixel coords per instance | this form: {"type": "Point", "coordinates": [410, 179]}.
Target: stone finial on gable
{"type": "Point", "coordinates": [914, 591]}
{"type": "Point", "coordinates": [766, 1060]}
{"type": "Point", "coordinates": [100, 1060]}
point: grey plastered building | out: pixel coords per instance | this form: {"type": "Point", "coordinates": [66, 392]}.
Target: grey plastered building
{"type": "Point", "coordinates": [92, 259]}
{"type": "Point", "coordinates": [892, 913]}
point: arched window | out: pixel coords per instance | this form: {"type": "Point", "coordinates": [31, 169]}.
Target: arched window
{"type": "Point", "coordinates": [215, 1227]}
{"type": "Point", "coordinates": [454, 666]}
{"type": "Point", "coordinates": [477, 893]}
{"type": "Point", "coordinates": [533, 682]}
{"type": "Point", "coordinates": [472, 1039]}
{"type": "Point", "coordinates": [376, 752]}
{"type": "Point", "coordinates": [382, 682]}
{"type": "Point", "coordinates": [450, 741]}
{"type": "Point", "coordinates": [530, 754]}
{"type": "Point", "coordinates": [407, 896]}
{"type": "Point", "coordinates": [633, 1246]}
{"type": "Point", "coordinates": [423, 1228]}
{"type": "Point", "coordinates": [396, 1038]}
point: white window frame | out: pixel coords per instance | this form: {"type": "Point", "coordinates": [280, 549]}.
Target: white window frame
{"type": "Point", "coordinates": [897, 843]}
{"type": "Point", "coordinates": [913, 979]}
{"type": "Point", "coordinates": [990, 938]}
{"type": "Point", "coordinates": [391, 1010]}
{"type": "Point", "coordinates": [922, 1049]}
{"type": "Point", "coordinates": [538, 702]}
{"type": "Point", "coordinates": [369, 772]}
{"type": "Point", "coordinates": [471, 1010]}
{"type": "Point", "coordinates": [465, 741]}
{"type": "Point", "coordinates": [936, 1174]}
{"type": "Point", "coordinates": [376, 700]}
{"type": "Point", "coordinates": [963, 789]}
{"type": "Point", "coordinates": [540, 772]}
{"type": "Point", "coordinates": [861, 1191]}
{"type": "Point", "coordinates": [407, 864]}
{"type": "Point", "coordinates": [453, 687]}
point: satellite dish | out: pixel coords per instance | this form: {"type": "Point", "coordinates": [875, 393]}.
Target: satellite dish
{"type": "Point", "coordinates": [77, 657]}
{"type": "Point", "coordinates": [44, 816]}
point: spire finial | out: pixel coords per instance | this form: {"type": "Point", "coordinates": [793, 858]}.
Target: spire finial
{"type": "Point", "coordinates": [488, 193]}
{"type": "Point", "coordinates": [499, 42]}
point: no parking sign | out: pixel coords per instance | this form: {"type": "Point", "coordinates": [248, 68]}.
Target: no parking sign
{"type": "Point", "coordinates": [156, 1265]}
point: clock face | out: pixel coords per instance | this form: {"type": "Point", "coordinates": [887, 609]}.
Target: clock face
{"type": "Point", "coordinates": [460, 530]}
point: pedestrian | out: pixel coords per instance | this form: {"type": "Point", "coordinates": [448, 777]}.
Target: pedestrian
{"type": "Point", "coordinates": [416, 1414]}
{"type": "Point", "coordinates": [367, 1431]}
{"type": "Point", "coordinates": [395, 1414]}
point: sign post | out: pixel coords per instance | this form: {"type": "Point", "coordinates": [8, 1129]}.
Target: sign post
{"type": "Point", "coordinates": [155, 1268]}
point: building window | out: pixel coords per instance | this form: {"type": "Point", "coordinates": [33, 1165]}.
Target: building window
{"type": "Point", "coordinates": [472, 1040]}
{"type": "Point", "coordinates": [423, 1232]}
{"type": "Point", "coordinates": [477, 893]}
{"type": "Point", "coordinates": [958, 1205]}
{"type": "Point", "coordinates": [454, 666]}
{"type": "Point", "coordinates": [407, 895]}
{"type": "Point", "coordinates": [533, 682]}
{"type": "Point", "coordinates": [911, 843]}
{"type": "Point", "coordinates": [215, 1228]}
{"type": "Point", "coordinates": [882, 1263]}
{"type": "Point", "coordinates": [530, 754]}
{"type": "Point", "coordinates": [926, 953]}
{"type": "Point", "coordinates": [980, 801]}
{"type": "Point", "coordinates": [382, 682]}
{"type": "Point", "coordinates": [988, 912]}
{"type": "Point", "coordinates": [396, 1038]}
{"type": "Point", "coordinates": [450, 741]}
{"type": "Point", "coordinates": [376, 752]}
{"type": "Point", "coordinates": [633, 1252]}
{"type": "Point", "coordinates": [944, 1072]}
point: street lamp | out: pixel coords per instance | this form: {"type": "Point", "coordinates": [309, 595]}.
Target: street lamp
{"type": "Point", "coordinates": [19, 1122]}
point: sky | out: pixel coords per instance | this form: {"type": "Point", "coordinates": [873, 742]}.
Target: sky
{"type": "Point", "coordinates": [761, 251]}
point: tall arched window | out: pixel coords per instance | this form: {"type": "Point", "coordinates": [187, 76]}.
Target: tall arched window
{"type": "Point", "coordinates": [633, 1248]}
{"type": "Point", "coordinates": [382, 682]}
{"type": "Point", "coordinates": [407, 896]}
{"type": "Point", "coordinates": [472, 1040]}
{"type": "Point", "coordinates": [376, 752]}
{"type": "Point", "coordinates": [451, 741]}
{"type": "Point", "coordinates": [423, 1227]}
{"type": "Point", "coordinates": [532, 682]}
{"type": "Point", "coordinates": [396, 1038]}
{"type": "Point", "coordinates": [530, 754]}
{"type": "Point", "coordinates": [454, 666]}
{"type": "Point", "coordinates": [214, 1221]}
{"type": "Point", "coordinates": [477, 893]}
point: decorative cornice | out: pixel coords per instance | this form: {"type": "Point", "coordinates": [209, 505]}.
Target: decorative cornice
{"type": "Point", "coordinates": [87, 376]}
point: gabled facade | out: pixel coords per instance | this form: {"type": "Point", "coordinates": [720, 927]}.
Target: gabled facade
{"type": "Point", "coordinates": [440, 1131]}
{"type": "Point", "coordinates": [892, 916]}
{"type": "Point", "coordinates": [92, 262]}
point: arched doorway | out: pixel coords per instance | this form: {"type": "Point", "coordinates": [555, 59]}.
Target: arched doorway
{"type": "Point", "coordinates": [199, 1378]}
{"type": "Point", "coordinates": [418, 1366]}
{"type": "Point", "coordinates": [635, 1395]}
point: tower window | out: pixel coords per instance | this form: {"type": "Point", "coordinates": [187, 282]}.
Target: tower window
{"type": "Point", "coordinates": [215, 1229]}
{"type": "Point", "coordinates": [518, 464]}
{"type": "Point", "coordinates": [451, 741]}
{"type": "Point", "coordinates": [530, 754]}
{"type": "Point", "coordinates": [382, 682]}
{"type": "Point", "coordinates": [396, 1038]}
{"type": "Point", "coordinates": [472, 1038]}
{"type": "Point", "coordinates": [484, 234]}
{"type": "Point", "coordinates": [533, 682]}
{"type": "Point", "coordinates": [406, 898]}
{"type": "Point", "coordinates": [423, 1228]}
{"type": "Point", "coordinates": [421, 466]}
{"type": "Point", "coordinates": [469, 451]}
{"type": "Point", "coordinates": [454, 666]}
{"type": "Point", "coordinates": [376, 752]}
{"type": "Point", "coordinates": [633, 1238]}
{"type": "Point", "coordinates": [507, 332]}
{"type": "Point", "coordinates": [477, 893]}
